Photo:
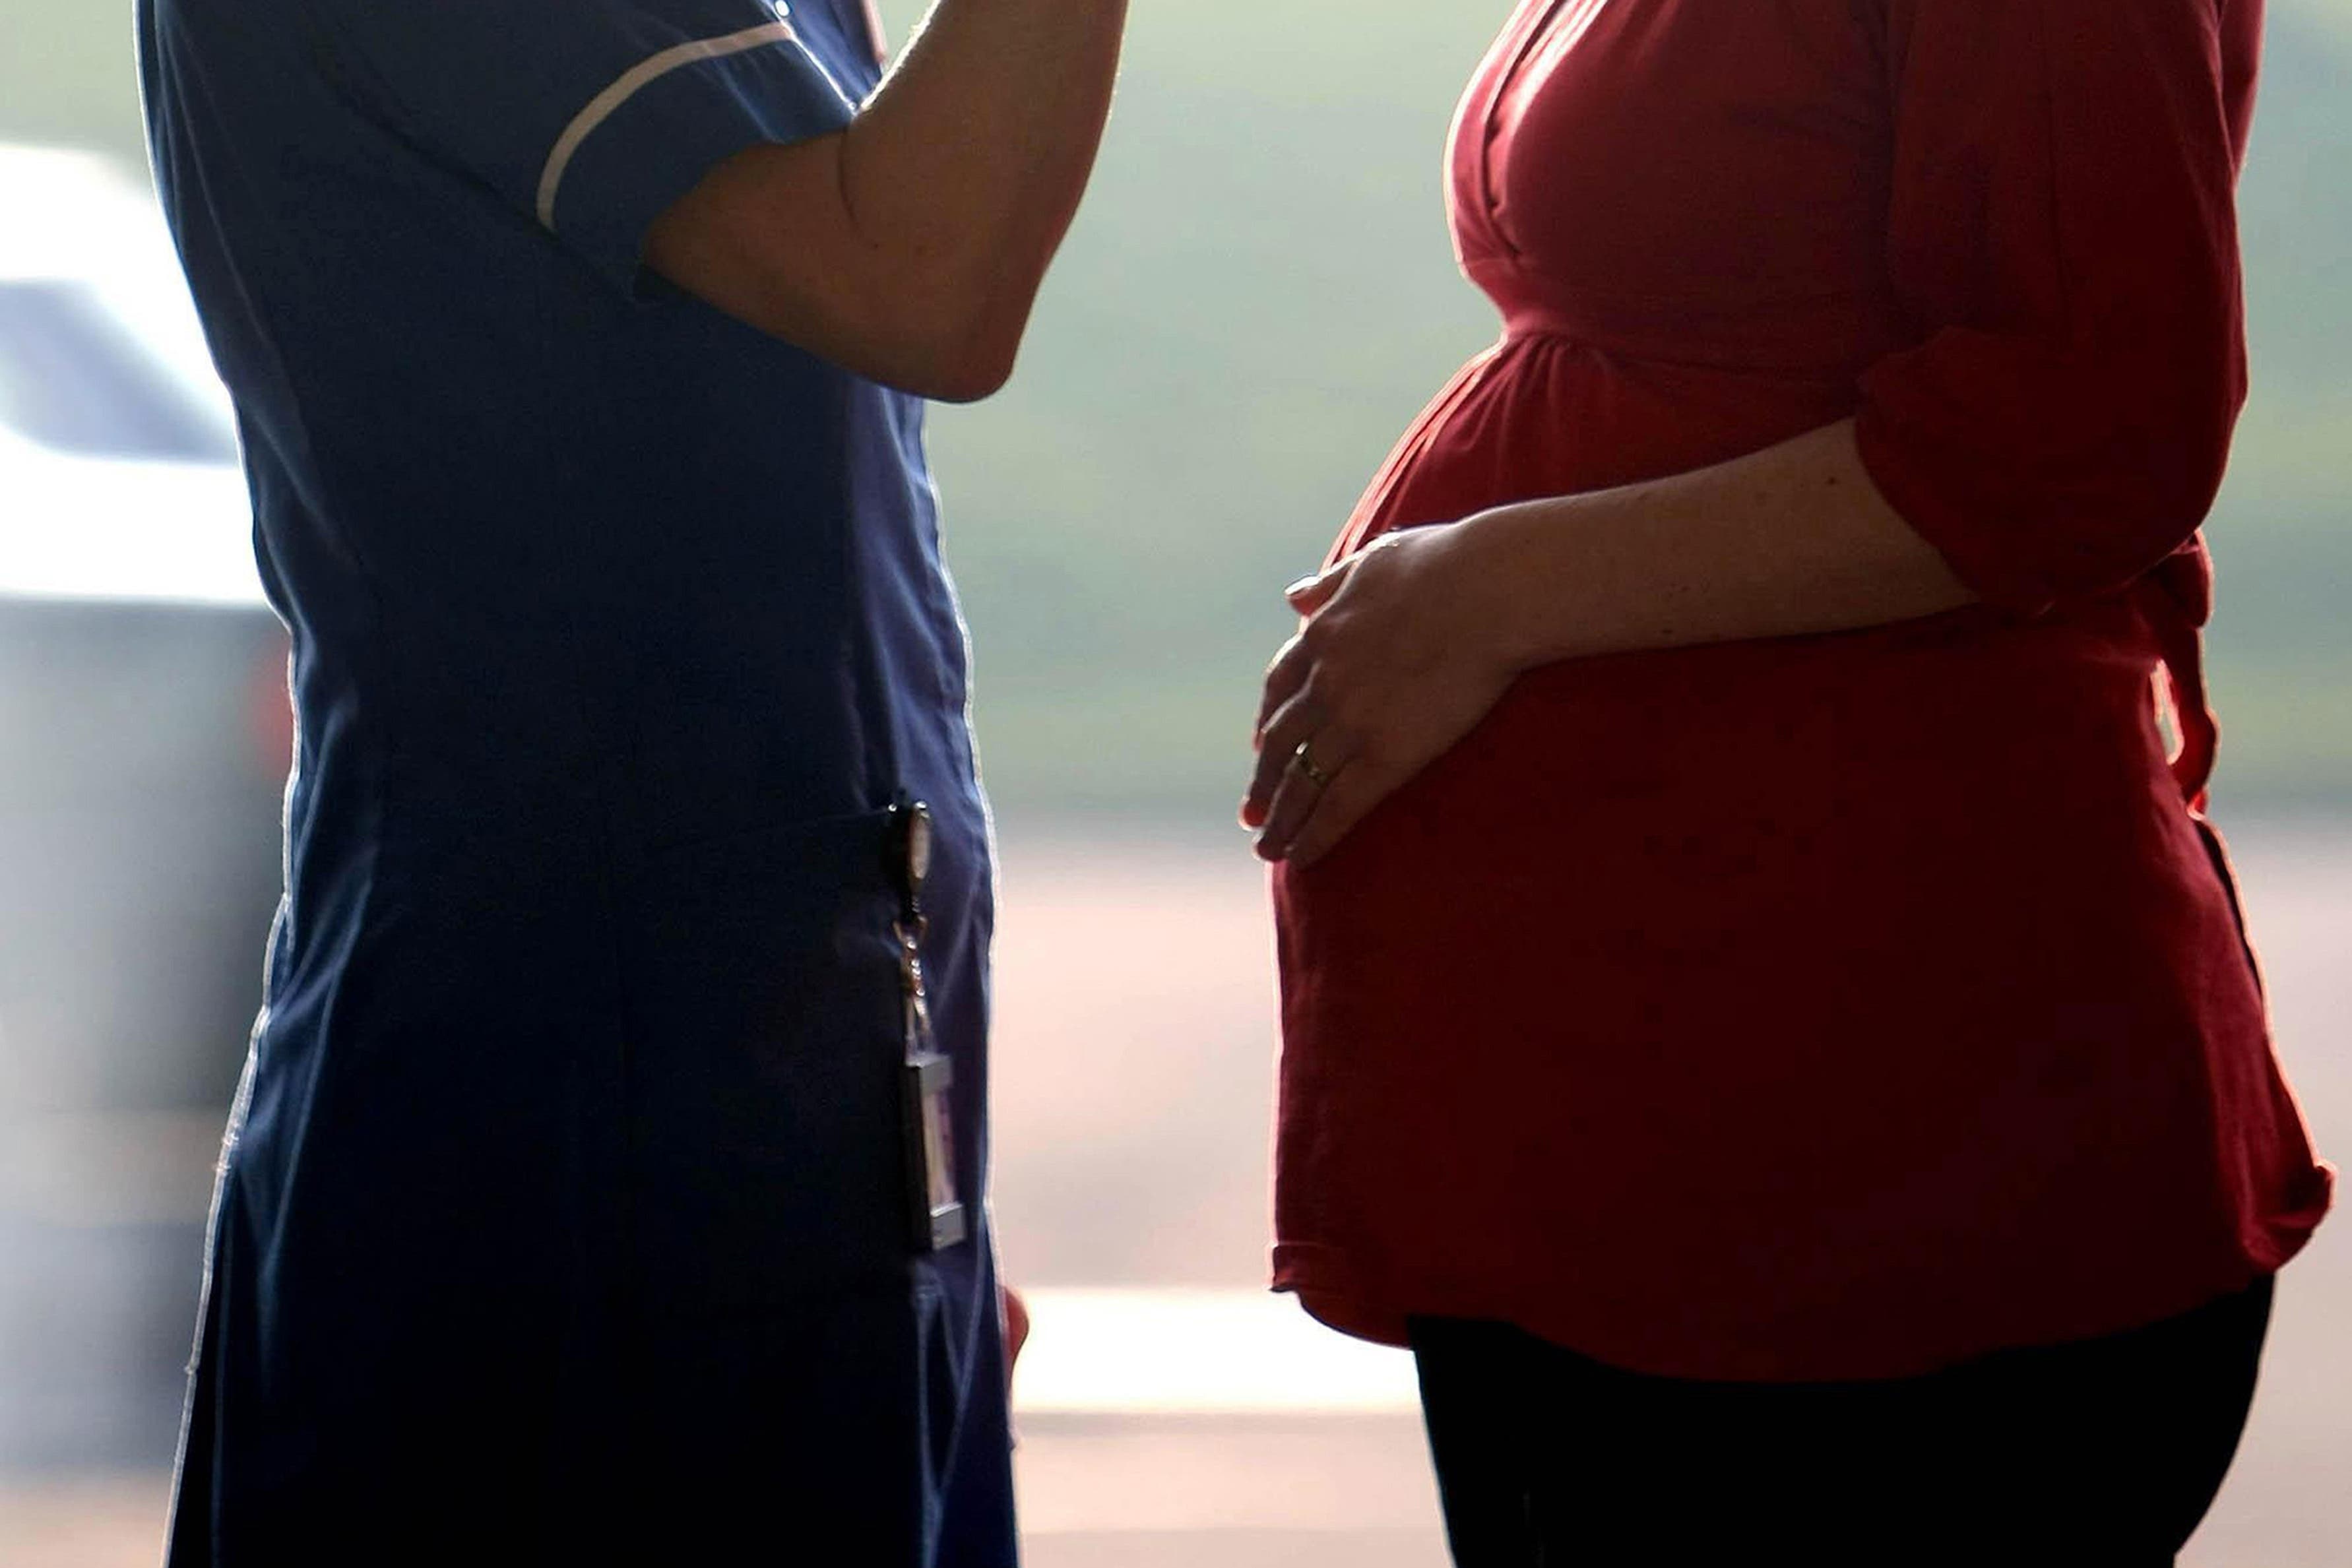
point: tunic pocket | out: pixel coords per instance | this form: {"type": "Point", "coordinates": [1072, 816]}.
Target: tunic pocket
{"type": "Point", "coordinates": [763, 1161]}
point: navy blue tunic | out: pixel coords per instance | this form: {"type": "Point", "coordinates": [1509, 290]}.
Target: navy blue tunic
{"type": "Point", "coordinates": [564, 1215]}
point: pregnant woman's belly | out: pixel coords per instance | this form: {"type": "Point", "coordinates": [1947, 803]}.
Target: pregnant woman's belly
{"type": "Point", "coordinates": [1755, 989]}
{"type": "Point", "coordinates": [1694, 731]}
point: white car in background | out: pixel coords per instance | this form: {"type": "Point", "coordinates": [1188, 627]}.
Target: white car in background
{"type": "Point", "coordinates": [144, 745]}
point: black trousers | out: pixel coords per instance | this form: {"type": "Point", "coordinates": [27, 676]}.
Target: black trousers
{"type": "Point", "coordinates": [2102, 1454]}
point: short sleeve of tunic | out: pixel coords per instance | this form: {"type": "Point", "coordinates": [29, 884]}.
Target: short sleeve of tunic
{"type": "Point", "coordinates": [588, 118]}
{"type": "Point", "coordinates": [2062, 233]}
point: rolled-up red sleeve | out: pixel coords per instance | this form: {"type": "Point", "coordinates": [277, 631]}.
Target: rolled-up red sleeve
{"type": "Point", "coordinates": [2063, 238]}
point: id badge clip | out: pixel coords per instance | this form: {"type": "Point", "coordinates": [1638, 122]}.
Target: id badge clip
{"type": "Point", "coordinates": [934, 1208]}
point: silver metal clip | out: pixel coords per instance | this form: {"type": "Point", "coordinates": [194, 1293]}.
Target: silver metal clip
{"type": "Point", "coordinates": [927, 1075]}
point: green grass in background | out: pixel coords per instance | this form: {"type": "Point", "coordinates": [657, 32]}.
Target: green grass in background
{"type": "Point", "coordinates": [1259, 296]}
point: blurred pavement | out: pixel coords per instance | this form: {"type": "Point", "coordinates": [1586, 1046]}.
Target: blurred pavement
{"type": "Point", "coordinates": [1173, 1414]}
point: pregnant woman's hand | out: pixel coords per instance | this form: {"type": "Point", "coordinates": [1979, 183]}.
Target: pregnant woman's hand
{"type": "Point", "coordinates": [1397, 660]}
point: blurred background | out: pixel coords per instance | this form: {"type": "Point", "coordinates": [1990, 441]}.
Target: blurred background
{"type": "Point", "coordinates": [1257, 298]}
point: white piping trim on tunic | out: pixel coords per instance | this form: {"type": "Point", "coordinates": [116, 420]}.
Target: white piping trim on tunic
{"type": "Point", "coordinates": [601, 108]}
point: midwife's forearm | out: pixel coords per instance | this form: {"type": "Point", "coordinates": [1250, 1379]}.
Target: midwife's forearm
{"type": "Point", "coordinates": [974, 154]}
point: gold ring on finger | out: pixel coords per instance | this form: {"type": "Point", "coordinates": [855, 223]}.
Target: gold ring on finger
{"type": "Point", "coordinates": [1304, 759]}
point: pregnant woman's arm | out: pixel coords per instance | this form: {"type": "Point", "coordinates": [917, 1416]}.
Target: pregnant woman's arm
{"type": "Point", "coordinates": [2062, 220]}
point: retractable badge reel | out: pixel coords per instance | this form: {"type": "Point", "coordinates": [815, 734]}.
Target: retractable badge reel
{"type": "Point", "coordinates": [937, 1211]}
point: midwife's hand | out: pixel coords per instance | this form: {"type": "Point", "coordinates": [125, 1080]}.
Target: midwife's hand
{"type": "Point", "coordinates": [1399, 658]}
{"type": "Point", "coordinates": [1016, 1327]}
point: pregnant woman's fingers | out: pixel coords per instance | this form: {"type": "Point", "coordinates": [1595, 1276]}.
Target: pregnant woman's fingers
{"type": "Point", "coordinates": [1416, 715]}
{"type": "Point", "coordinates": [1278, 737]}
{"type": "Point", "coordinates": [1284, 677]}
{"type": "Point", "coordinates": [1312, 592]}
{"type": "Point", "coordinates": [1313, 765]}
{"type": "Point", "coordinates": [1338, 809]}
{"type": "Point", "coordinates": [1293, 801]}
{"type": "Point", "coordinates": [1393, 668]}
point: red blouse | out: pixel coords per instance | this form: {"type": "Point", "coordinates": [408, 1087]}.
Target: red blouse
{"type": "Point", "coordinates": [1837, 1006]}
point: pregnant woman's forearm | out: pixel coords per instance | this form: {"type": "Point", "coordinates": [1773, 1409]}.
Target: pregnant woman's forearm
{"type": "Point", "coordinates": [910, 246]}
{"type": "Point", "coordinates": [1406, 644]}
{"type": "Point", "coordinates": [1795, 539]}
